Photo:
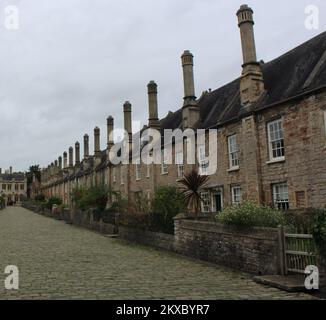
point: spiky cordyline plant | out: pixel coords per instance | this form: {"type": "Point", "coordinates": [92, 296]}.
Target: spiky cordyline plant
{"type": "Point", "coordinates": [193, 183]}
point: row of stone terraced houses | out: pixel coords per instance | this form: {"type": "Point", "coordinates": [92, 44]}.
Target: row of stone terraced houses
{"type": "Point", "coordinates": [271, 125]}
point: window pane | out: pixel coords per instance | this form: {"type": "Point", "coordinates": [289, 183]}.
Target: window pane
{"type": "Point", "coordinates": [281, 196]}
{"type": "Point", "coordinates": [276, 139]}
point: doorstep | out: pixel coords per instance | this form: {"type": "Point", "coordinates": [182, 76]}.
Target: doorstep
{"type": "Point", "coordinates": [289, 283]}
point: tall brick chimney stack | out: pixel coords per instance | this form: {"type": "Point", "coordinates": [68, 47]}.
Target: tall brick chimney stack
{"type": "Point", "coordinates": [127, 121]}
{"type": "Point", "coordinates": [252, 81]}
{"type": "Point", "coordinates": [77, 153]}
{"type": "Point", "coordinates": [110, 128]}
{"type": "Point", "coordinates": [60, 162]}
{"type": "Point", "coordinates": [97, 148]}
{"type": "Point", "coordinates": [86, 146]}
{"type": "Point", "coordinates": [65, 160]}
{"type": "Point", "coordinates": [71, 157]}
{"type": "Point", "coordinates": [153, 121]}
{"type": "Point", "coordinates": [190, 110]}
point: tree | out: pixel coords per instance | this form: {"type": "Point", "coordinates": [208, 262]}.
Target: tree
{"type": "Point", "coordinates": [193, 183]}
{"type": "Point", "coordinates": [34, 170]}
{"type": "Point", "coordinates": [93, 197]}
{"type": "Point", "coordinates": [167, 203]}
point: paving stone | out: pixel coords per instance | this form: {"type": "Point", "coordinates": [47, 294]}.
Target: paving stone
{"type": "Point", "coordinates": [60, 261]}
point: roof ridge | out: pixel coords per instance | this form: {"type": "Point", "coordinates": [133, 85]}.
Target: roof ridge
{"type": "Point", "coordinates": [304, 44]}
{"type": "Point", "coordinates": [315, 71]}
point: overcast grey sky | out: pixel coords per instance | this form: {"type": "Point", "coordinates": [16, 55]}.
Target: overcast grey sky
{"type": "Point", "coordinates": [74, 62]}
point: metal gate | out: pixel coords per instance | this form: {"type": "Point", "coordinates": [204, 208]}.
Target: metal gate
{"type": "Point", "coordinates": [299, 252]}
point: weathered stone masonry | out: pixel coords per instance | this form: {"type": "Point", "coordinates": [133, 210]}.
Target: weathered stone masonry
{"type": "Point", "coordinates": [271, 121]}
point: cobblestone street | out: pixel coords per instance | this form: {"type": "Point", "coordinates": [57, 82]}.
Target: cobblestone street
{"type": "Point", "coordinates": [60, 261]}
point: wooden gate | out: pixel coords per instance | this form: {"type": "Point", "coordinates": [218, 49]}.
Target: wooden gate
{"type": "Point", "coordinates": [299, 252]}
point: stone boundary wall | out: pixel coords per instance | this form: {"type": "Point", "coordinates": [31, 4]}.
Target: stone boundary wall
{"type": "Point", "coordinates": [256, 251]}
{"type": "Point", "coordinates": [78, 218]}
{"type": "Point", "coordinates": [155, 239]}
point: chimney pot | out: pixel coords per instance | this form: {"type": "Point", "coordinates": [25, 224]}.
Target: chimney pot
{"type": "Point", "coordinates": [252, 81]}
{"type": "Point", "coordinates": [86, 146]}
{"type": "Point", "coordinates": [71, 157]}
{"type": "Point", "coordinates": [65, 160]}
{"type": "Point", "coordinates": [110, 129]}
{"type": "Point", "coordinates": [77, 153]}
{"type": "Point", "coordinates": [153, 121]}
{"type": "Point", "coordinates": [127, 117]}
{"type": "Point", "coordinates": [97, 148]}
{"type": "Point", "coordinates": [190, 110]}
{"type": "Point", "coordinates": [60, 162]}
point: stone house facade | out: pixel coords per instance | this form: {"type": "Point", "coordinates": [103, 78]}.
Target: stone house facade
{"type": "Point", "coordinates": [13, 187]}
{"type": "Point", "coordinates": [271, 135]}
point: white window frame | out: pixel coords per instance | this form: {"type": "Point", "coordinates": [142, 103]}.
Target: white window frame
{"type": "Point", "coordinates": [236, 198]}
{"type": "Point", "coordinates": [138, 169]}
{"type": "Point", "coordinates": [233, 152]}
{"type": "Point", "coordinates": [180, 164]}
{"type": "Point", "coordinates": [164, 165]}
{"type": "Point", "coordinates": [202, 161]}
{"type": "Point", "coordinates": [281, 195]}
{"type": "Point", "coordinates": [206, 202]}
{"type": "Point", "coordinates": [272, 140]}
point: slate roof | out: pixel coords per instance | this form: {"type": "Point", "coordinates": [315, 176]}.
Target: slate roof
{"type": "Point", "coordinates": [300, 70]}
{"type": "Point", "coordinates": [19, 177]}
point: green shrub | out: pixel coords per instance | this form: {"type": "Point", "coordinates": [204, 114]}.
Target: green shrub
{"type": "Point", "coordinates": [2, 202]}
{"type": "Point", "coordinates": [319, 230]}
{"type": "Point", "coordinates": [156, 215]}
{"type": "Point", "coordinates": [39, 198]}
{"type": "Point", "coordinates": [95, 197]}
{"type": "Point", "coordinates": [134, 219]}
{"type": "Point", "coordinates": [52, 201]}
{"type": "Point", "coordinates": [135, 213]}
{"type": "Point", "coordinates": [167, 203]}
{"type": "Point", "coordinates": [300, 221]}
{"type": "Point", "coordinates": [249, 215]}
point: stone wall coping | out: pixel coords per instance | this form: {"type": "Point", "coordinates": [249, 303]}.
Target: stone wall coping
{"type": "Point", "coordinates": [214, 227]}
{"type": "Point", "coordinates": [165, 235]}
